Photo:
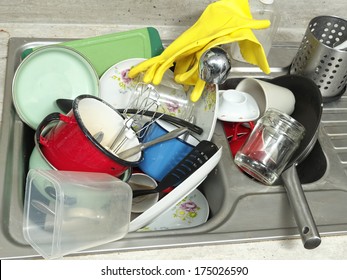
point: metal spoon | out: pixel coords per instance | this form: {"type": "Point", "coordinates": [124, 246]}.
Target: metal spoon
{"type": "Point", "coordinates": [134, 150]}
{"type": "Point", "coordinates": [214, 66]}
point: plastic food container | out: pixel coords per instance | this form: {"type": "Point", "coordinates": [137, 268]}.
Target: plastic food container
{"type": "Point", "coordinates": [66, 212]}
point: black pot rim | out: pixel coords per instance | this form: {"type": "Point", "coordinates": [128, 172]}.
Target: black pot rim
{"type": "Point", "coordinates": [91, 138]}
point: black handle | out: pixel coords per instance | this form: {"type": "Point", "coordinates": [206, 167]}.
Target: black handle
{"type": "Point", "coordinates": [66, 104]}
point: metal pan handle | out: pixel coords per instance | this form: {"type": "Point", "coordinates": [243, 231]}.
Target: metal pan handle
{"type": "Point", "coordinates": [307, 227]}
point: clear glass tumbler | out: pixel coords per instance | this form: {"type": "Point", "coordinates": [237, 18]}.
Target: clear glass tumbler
{"type": "Point", "coordinates": [270, 146]}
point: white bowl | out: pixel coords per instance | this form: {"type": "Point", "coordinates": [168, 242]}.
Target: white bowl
{"type": "Point", "coordinates": [237, 106]}
{"type": "Point", "coordinates": [141, 181]}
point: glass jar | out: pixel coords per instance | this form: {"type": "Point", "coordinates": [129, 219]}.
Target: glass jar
{"type": "Point", "coordinates": [270, 146]}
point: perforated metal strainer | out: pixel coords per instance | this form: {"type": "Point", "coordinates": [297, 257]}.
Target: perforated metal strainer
{"type": "Point", "coordinates": [318, 59]}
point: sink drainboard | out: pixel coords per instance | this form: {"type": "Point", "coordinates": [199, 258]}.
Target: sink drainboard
{"type": "Point", "coordinates": [241, 209]}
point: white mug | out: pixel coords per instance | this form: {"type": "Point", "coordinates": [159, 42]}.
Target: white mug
{"type": "Point", "coordinates": [268, 95]}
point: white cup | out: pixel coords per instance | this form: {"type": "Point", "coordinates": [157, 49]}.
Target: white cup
{"type": "Point", "coordinates": [268, 95]}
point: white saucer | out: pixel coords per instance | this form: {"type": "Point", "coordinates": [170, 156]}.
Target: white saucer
{"type": "Point", "coordinates": [237, 106]}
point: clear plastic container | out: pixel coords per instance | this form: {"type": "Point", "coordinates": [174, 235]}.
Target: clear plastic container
{"type": "Point", "coordinates": [66, 212]}
{"type": "Point", "coordinates": [260, 9]}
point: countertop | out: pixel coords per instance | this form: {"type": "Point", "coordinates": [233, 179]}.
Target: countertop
{"type": "Point", "coordinates": [332, 247]}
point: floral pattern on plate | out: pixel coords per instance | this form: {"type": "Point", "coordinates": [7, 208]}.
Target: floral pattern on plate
{"type": "Point", "coordinates": [187, 210]}
{"type": "Point", "coordinates": [124, 82]}
{"type": "Point", "coordinates": [191, 211]}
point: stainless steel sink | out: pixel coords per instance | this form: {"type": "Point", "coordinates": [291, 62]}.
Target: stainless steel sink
{"type": "Point", "coordinates": [241, 209]}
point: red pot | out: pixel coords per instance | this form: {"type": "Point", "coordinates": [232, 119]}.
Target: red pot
{"type": "Point", "coordinates": [70, 145]}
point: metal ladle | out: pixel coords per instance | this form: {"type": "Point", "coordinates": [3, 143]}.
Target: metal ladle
{"type": "Point", "coordinates": [214, 66]}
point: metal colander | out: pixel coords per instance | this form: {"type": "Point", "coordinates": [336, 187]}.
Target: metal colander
{"type": "Point", "coordinates": [318, 60]}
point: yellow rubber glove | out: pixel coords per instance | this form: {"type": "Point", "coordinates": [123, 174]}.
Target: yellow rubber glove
{"type": "Point", "coordinates": [187, 69]}
{"type": "Point", "coordinates": [220, 19]}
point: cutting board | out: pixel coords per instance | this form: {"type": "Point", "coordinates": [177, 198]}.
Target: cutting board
{"type": "Point", "coordinates": [106, 50]}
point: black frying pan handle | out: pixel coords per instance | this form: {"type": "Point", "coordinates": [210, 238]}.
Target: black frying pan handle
{"type": "Point", "coordinates": [307, 227]}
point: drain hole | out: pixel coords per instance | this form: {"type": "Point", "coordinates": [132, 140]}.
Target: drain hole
{"type": "Point", "coordinates": [305, 230]}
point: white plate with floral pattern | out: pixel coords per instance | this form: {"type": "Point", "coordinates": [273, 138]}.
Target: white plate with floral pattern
{"type": "Point", "coordinates": [176, 195]}
{"type": "Point", "coordinates": [117, 89]}
{"type": "Point", "coordinates": [191, 211]}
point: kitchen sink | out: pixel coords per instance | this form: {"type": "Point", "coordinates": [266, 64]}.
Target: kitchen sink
{"type": "Point", "coordinates": [241, 209]}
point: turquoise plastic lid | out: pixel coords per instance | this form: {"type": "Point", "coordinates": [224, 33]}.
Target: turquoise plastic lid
{"type": "Point", "coordinates": [47, 74]}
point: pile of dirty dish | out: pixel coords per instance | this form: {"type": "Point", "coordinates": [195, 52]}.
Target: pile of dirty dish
{"type": "Point", "coordinates": [268, 144]}
{"type": "Point", "coordinates": [115, 154]}
{"type": "Point", "coordinates": [112, 154]}
{"type": "Point", "coordinates": [240, 108]}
